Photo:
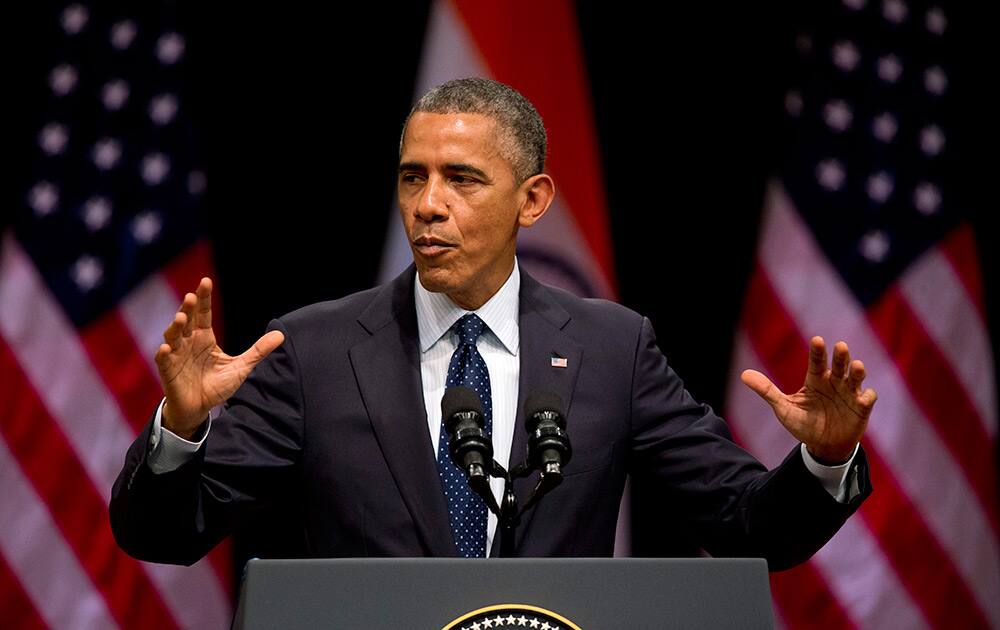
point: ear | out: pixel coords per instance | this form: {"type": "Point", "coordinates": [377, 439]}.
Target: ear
{"type": "Point", "coordinates": [539, 191]}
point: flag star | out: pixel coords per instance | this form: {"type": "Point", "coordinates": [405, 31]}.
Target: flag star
{"type": "Point", "coordinates": [106, 153]}
{"type": "Point", "coordinates": [895, 11]}
{"type": "Point", "coordinates": [114, 94]}
{"type": "Point", "coordinates": [87, 272]}
{"type": "Point", "coordinates": [927, 198]}
{"type": "Point", "coordinates": [155, 168]}
{"type": "Point", "coordinates": [53, 138]}
{"type": "Point", "coordinates": [43, 198]}
{"type": "Point", "coordinates": [511, 620]}
{"type": "Point", "coordinates": [889, 68]}
{"type": "Point", "coordinates": [533, 622]}
{"type": "Point", "coordinates": [123, 34]}
{"type": "Point", "coordinates": [63, 79]}
{"type": "Point", "coordinates": [875, 246]}
{"type": "Point", "coordinates": [96, 213]}
{"type": "Point", "coordinates": [169, 48]}
{"type": "Point", "coordinates": [163, 108]}
{"type": "Point", "coordinates": [935, 80]}
{"type": "Point", "coordinates": [146, 227]}
{"type": "Point", "coordinates": [498, 620]}
{"type": "Point", "coordinates": [522, 620]}
{"type": "Point", "coordinates": [546, 626]}
{"type": "Point", "coordinates": [487, 623]}
{"type": "Point", "coordinates": [475, 626]}
{"type": "Point", "coordinates": [846, 56]}
{"type": "Point", "coordinates": [931, 140]}
{"type": "Point", "coordinates": [936, 22]}
{"type": "Point", "coordinates": [880, 186]}
{"type": "Point", "coordinates": [74, 18]}
{"type": "Point", "coordinates": [837, 115]}
{"type": "Point", "coordinates": [885, 127]}
{"type": "Point", "coordinates": [830, 174]}
{"type": "Point", "coordinates": [793, 103]}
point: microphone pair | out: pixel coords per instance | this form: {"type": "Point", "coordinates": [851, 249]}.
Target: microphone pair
{"type": "Point", "coordinates": [471, 449]}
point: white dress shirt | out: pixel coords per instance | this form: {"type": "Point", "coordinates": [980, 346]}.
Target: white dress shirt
{"type": "Point", "coordinates": [498, 345]}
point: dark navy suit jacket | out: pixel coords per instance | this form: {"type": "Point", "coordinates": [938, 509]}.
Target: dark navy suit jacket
{"type": "Point", "coordinates": [332, 424]}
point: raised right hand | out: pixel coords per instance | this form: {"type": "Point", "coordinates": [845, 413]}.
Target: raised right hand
{"type": "Point", "coordinates": [195, 373]}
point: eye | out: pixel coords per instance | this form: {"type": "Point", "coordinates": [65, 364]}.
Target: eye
{"type": "Point", "coordinates": [411, 178]}
{"type": "Point", "coordinates": [462, 179]}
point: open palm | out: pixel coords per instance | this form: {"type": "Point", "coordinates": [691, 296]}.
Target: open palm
{"type": "Point", "coordinates": [195, 373]}
{"type": "Point", "coordinates": [830, 411]}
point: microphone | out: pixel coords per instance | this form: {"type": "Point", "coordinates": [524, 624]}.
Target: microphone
{"type": "Point", "coordinates": [548, 443]}
{"type": "Point", "coordinates": [470, 448]}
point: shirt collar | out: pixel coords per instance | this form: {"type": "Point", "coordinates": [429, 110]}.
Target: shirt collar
{"type": "Point", "coordinates": [436, 313]}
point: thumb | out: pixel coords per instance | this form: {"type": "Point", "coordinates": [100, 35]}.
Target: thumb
{"type": "Point", "coordinates": [262, 347]}
{"type": "Point", "coordinates": [762, 386]}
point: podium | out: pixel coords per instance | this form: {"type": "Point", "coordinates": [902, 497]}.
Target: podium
{"type": "Point", "coordinates": [496, 594]}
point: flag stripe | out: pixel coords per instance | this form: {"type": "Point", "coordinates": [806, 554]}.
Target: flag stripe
{"type": "Point", "coordinates": [36, 551]}
{"type": "Point", "coordinates": [899, 528]}
{"type": "Point", "coordinates": [559, 90]}
{"type": "Point", "coordinates": [89, 417]}
{"type": "Point", "coordinates": [78, 511]}
{"type": "Point", "coordinates": [949, 315]}
{"type": "Point", "coordinates": [938, 393]}
{"type": "Point", "coordinates": [803, 598]}
{"type": "Point", "coordinates": [16, 607]}
{"type": "Point", "coordinates": [147, 311]}
{"type": "Point", "coordinates": [813, 294]}
{"type": "Point", "coordinates": [113, 353]}
{"type": "Point", "coordinates": [960, 248]}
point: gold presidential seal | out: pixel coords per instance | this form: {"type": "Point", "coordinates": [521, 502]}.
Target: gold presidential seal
{"type": "Point", "coordinates": [511, 616]}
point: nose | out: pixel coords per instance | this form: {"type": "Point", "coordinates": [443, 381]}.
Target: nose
{"type": "Point", "coordinates": [432, 204]}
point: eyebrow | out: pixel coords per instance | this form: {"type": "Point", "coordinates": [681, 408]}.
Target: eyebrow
{"type": "Point", "coordinates": [458, 167]}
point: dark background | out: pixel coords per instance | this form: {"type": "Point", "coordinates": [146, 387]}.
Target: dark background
{"type": "Point", "coordinates": [299, 109]}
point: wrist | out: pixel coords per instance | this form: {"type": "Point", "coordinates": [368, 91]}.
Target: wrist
{"type": "Point", "coordinates": [831, 457]}
{"type": "Point", "coordinates": [180, 427]}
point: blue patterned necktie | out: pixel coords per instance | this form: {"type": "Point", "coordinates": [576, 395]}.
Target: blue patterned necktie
{"type": "Point", "coordinates": [466, 509]}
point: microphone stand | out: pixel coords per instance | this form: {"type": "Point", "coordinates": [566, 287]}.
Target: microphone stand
{"type": "Point", "coordinates": [508, 516]}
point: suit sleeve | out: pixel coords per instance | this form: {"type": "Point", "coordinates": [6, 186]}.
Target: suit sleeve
{"type": "Point", "coordinates": [731, 503]}
{"type": "Point", "coordinates": [246, 463]}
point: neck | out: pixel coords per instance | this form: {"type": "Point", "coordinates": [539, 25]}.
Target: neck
{"type": "Point", "coordinates": [474, 299]}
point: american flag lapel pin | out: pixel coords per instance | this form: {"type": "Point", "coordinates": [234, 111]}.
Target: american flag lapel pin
{"type": "Point", "coordinates": [558, 362]}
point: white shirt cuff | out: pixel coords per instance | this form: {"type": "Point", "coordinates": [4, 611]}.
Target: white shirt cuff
{"type": "Point", "coordinates": [833, 478]}
{"type": "Point", "coordinates": [167, 450]}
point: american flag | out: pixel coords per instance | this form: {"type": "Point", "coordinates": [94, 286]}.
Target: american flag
{"type": "Point", "coordinates": [92, 269]}
{"type": "Point", "coordinates": [866, 238]}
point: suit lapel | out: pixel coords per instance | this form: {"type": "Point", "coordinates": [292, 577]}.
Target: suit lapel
{"type": "Point", "coordinates": [541, 324]}
{"type": "Point", "coordinates": [387, 367]}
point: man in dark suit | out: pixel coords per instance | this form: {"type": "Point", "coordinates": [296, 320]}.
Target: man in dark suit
{"type": "Point", "coordinates": [336, 409]}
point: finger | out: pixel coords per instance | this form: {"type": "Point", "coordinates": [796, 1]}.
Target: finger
{"type": "Point", "coordinates": [856, 376]}
{"type": "Point", "coordinates": [203, 308]}
{"type": "Point", "coordinates": [841, 358]}
{"type": "Point", "coordinates": [263, 347]}
{"type": "Point", "coordinates": [161, 354]}
{"type": "Point", "coordinates": [762, 386]}
{"type": "Point", "coordinates": [817, 356]}
{"type": "Point", "coordinates": [187, 307]}
{"type": "Point", "coordinates": [172, 335]}
{"type": "Point", "coordinates": [868, 398]}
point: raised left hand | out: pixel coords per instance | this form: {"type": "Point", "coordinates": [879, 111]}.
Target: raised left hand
{"type": "Point", "coordinates": [830, 412]}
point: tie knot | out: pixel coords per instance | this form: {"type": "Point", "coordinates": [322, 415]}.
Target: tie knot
{"type": "Point", "coordinates": [469, 328]}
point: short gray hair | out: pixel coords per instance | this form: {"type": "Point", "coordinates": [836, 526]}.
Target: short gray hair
{"type": "Point", "coordinates": [522, 134]}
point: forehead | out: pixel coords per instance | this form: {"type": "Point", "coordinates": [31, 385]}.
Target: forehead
{"type": "Point", "coordinates": [449, 137]}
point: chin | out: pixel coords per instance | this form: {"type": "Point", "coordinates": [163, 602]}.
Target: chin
{"type": "Point", "coordinates": [435, 280]}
